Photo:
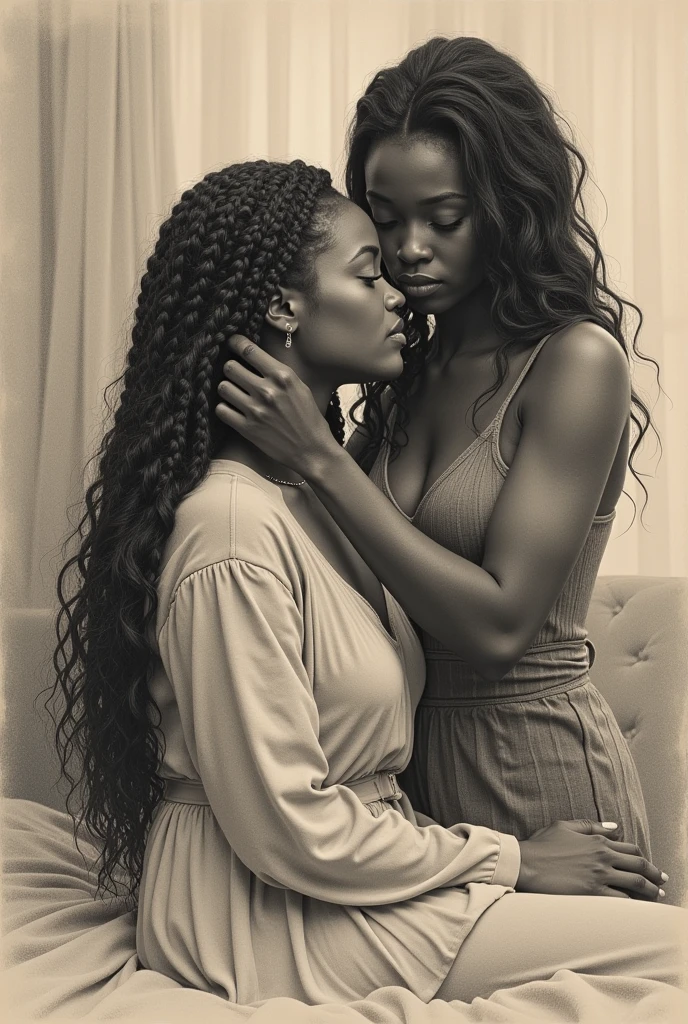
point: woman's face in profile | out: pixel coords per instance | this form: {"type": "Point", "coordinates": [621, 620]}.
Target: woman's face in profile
{"type": "Point", "coordinates": [422, 212]}
{"type": "Point", "coordinates": [350, 328]}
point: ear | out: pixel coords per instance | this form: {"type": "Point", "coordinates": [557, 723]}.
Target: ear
{"type": "Point", "coordinates": [283, 308]}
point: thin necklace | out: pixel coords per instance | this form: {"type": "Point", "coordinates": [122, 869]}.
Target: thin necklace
{"type": "Point", "coordinates": [287, 483]}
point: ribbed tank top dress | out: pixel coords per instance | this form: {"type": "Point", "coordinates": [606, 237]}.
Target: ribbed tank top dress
{"type": "Point", "coordinates": [541, 744]}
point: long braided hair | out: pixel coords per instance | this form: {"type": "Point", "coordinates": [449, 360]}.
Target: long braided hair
{"type": "Point", "coordinates": [526, 177]}
{"type": "Point", "coordinates": [228, 244]}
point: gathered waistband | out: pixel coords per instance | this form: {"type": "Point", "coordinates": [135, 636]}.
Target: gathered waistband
{"type": "Point", "coordinates": [185, 791]}
{"type": "Point", "coordinates": [369, 790]}
{"type": "Point", "coordinates": [504, 698]}
{"type": "Point", "coordinates": [544, 671]}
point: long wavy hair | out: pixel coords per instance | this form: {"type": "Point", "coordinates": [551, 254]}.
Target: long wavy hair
{"type": "Point", "coordinates": [228, 244]}
{"type": "Point", "coordinates": [526, 177]}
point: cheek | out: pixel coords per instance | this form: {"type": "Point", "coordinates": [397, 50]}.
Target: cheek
{"type": "Point", "coordinates": [471, 271]}
{"type": "Point", "coordinates": [463, 254]}
{"type": "Point", "coordinates": [349, 312]}
{"type": "Point", "coordinates": [353, 304]}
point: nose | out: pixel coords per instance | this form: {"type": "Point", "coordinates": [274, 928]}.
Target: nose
{"type": "Point", "coordinates": [394, 299]}
{"type": "Point", "coordinates": [413, 248]}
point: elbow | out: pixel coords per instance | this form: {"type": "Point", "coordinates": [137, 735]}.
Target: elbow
{"type": "Point", "coordinates": [278, 865]}
{"type": "Point", "coordinates": [498, 656]}
{"type": "Point", "coordinates": [297, 867]}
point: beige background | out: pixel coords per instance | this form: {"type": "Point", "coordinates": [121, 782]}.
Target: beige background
{"type": "Point", "coordinates": [108, 109]}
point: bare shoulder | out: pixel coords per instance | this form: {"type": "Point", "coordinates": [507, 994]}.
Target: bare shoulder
{"type": "Point", "coordinates": [583, 353]}
{"type": "Point", "coordinates": [580, 386]}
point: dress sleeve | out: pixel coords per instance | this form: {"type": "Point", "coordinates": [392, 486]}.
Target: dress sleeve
{"type": "Point", "coordinates": [232, 647]}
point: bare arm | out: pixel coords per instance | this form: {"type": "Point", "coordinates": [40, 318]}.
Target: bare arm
{"type": "Point", "coordinates": [488, 614]}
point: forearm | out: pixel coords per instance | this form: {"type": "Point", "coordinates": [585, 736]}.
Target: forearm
{"type": "Point", "coordinates": [454, 600]}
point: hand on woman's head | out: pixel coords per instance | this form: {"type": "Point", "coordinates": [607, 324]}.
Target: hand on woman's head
{"type": "Point", "coordinates": [267, 403]}
{"type": "Point", "coordinates": [344, 326]}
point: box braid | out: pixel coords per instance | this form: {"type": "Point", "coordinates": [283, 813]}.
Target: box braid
{"type": "Point", "coordinates": [335, 418]}
{"type": "Point", "coordinates": [229, 243]}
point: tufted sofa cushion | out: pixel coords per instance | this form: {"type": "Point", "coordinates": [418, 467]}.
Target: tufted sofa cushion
{"type": "Point", "coordinates": [639, 627]}
{"type": "Point", "coordinates": [30, 767]}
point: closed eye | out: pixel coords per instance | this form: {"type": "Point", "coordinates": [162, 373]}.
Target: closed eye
{"type": "Point", "coordinates": [449, 227]}
{"type": "Point", "coordinates": [385, 225]}
{"type": "Point", "coordinates": [370, 281]}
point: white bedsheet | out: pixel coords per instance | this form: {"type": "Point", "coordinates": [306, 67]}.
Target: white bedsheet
{"type": "Point", "coordinates": [67, 956]}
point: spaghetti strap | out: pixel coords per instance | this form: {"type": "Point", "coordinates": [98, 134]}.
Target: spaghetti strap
{"type": "Point", "coordinates": [497, 421]}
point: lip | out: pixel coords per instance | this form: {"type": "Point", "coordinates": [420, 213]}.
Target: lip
{"type": "Point", "coordinates": [418, 286]}
{"type": "Point", "coordinates": [399, 339]}
{"type": "Point", "coordinates": [417, 279]}
{"type": "Point", "coordinates": [397, 329]}
{"type": "Point", "coordinates": [420, 291]}
{"type": "Point", "coordinates": [397, 334]}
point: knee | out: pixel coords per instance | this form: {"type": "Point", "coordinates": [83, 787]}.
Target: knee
{"type": "Point", "coordinates": [666, 932]}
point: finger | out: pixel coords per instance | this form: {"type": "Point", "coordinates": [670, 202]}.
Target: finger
{"type": "Point", "coordinates": [235, 396]}
{"type": "Point", "coordinates": [241, 375]}
{"type": "Point", "coordinates": [634, 851]}
{"type": "Point", "coordinates": [592, 828]}
{"type": "Point", "coordinates": [232, 365]}
{"type": "Point", "coordinates": [235, 408]}
{"type": "Point", "coordinates": [254, 355]}
{"type": "Point", "coordinates": [607, 891]}
{"type": "Point", "coordinates": [231, 417]}
{"type": "Point", "coordinates": [621, 847]}
{"type": "Point", "coordinates": [635, 883]}
{"type": "Point", "coordinates": [638, 866]}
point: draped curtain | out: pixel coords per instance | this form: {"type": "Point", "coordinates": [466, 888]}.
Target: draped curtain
{"type": "Point", "coordinates": [87, 168]}
{"type": "Point", "coordinates": [109, 109]}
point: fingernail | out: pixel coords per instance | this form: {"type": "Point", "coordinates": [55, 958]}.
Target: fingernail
{"type": "Point", "coordinates": [665, 877]}
{"type": "Point", "coordinates": [609, 824]}
{"type": "Point", "coordinates": [662, 893]}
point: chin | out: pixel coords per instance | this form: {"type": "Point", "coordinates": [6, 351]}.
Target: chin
{"type": "Point", "coordinates": [393, 368]}
{"type": "Point", "coordinates": [436, 304]}
{"type": "Point", "coordinates": [389, 369]}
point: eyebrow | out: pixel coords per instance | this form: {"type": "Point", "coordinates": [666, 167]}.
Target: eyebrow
{"type": "Point", "coordinates": [423, 202]}
{"type": "Point", "coordinates": [372, 249]}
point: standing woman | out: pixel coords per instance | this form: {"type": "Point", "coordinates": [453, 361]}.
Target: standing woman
{"type": "Point", "coordinates": [497, 458]}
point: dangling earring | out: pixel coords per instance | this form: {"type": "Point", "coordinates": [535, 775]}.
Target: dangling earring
{"type": "Point", "coordinates": [287, 343]}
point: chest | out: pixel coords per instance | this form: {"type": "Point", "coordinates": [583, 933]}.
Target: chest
{"type": "Point", "coordinates": [442, 427]}
{"type": "Point", "coordinates": [366, 681]}
{"type": "Point", "coordinates": [335, 547]}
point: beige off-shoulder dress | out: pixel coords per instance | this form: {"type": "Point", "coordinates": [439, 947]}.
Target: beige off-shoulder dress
{"type": "Point", "coordinates": [279, 686]}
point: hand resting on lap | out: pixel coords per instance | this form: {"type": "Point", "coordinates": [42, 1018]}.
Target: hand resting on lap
{"type": "Point", "coordinates": [581, 858]}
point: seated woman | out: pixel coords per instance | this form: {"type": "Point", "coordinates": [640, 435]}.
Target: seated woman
{"type": "Point", "coordinates": [240, 689]}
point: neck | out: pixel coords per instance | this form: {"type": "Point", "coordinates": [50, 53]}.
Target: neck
{"type": "Point", "coordinates": [467, 328]}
